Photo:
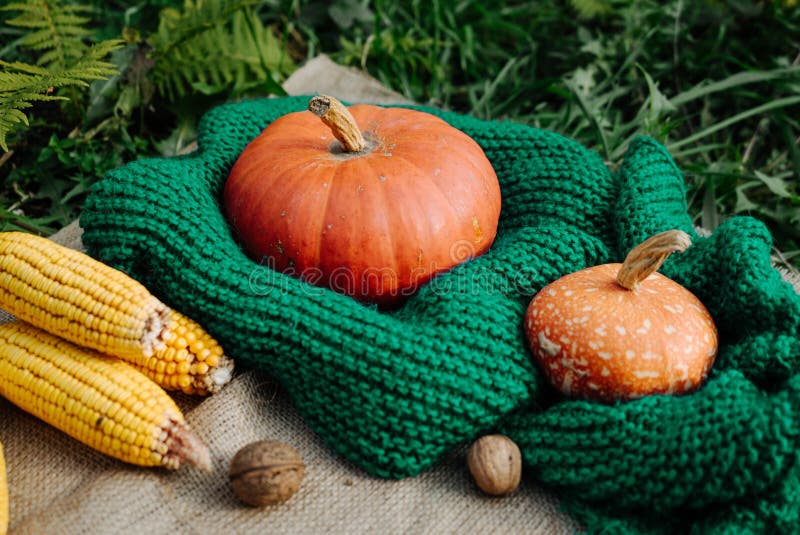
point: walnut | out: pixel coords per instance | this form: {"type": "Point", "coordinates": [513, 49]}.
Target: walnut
{"type": "Point", "coordinates": [267, 472]}
{"type": "Point", "coordinates": [495, 463]}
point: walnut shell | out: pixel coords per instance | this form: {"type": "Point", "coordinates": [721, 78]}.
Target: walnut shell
{"type": "Point", "coordinates": [495, 463]}
{"type": "Point", "coordinates": [267, 472]}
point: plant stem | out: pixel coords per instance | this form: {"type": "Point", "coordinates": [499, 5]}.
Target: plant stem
{"type": "Point", "coordinates": [336, 117]}
{"type": "Point", "coordinates": [647, 257]}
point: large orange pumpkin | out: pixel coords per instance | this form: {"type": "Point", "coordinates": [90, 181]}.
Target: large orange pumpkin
{"type": "Point", "coordinates": [368, 201]}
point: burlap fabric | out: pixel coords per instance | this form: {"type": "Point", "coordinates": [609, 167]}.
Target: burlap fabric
{"type": "Point", "coordinates": [59, 486]}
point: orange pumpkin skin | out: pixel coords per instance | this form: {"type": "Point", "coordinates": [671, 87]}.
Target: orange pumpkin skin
{"type": "Point", "coordinates": [376, 224]}
{"type": "Point", "coordinates": [596, 340]}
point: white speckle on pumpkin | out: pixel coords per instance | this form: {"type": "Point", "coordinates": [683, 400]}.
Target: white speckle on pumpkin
{"type": "Point", "coordinates": [551, 292]}
{"type": "Point", "coordinates": [593, 345]}
{"type": "Point", "coordinates": [669, 329]}
{"type": "Point", "coordinates": [382, 178]}
{"type": "Point", "coordinates": [688, 384]}
{"type": "Point", "coordinates": [649, 355]}
{"type": "Point", "coordinates": [437, 172]}
{"type": "Point", "coordinates": [566, 384]}
{"type": "Point", "coordinates": [593, 386]}
{"type": "Point", "coordinates": [591, 289]}
{"type": "Point", "coordinates": [604, 355]}
{"type": "Point", "coordinates": [564, 340]}
{"type": "Point", "coordinates": [601, 331]}
{"type": "Point", "coordinates": [329, 226]}
{"type": "Point", "coordinates": [548, 346]}
{"type": "Point", "coordinates": [646, 374]}
{"type": "Point", "coordinates": [630, 354]}
{"type": "Point", "coordinates": [324, 184]}
{"type": "Point", "coordinates": [621, 330]}
{"type": "Point", "coordinates": [582, 319]}
{"type": "Point", "coordinates": [587, 308]}
{"type": "Point", "coordinates": [605, 372]}
{"type": "Point", "coordinates": [569, 293]}
{"type": "Point", "coordinates": [550, 306]}
{"type": "Point", "coordinates": [283, 213]}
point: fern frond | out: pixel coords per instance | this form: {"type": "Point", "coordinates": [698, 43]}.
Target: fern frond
{"type": "Point", "coordinates": [10, 118]}
{"type": "Point", "coordinates": [198, 16]}
{"type": "Point", "coordinates": [214, 54]}
{"type": "Point", "coordinates": [17, 92]}
{"type": "Point", "coordinates": [59, 30]}
{"type": "Point", "coordinates": [21, 67]}
{"type": "Point", "coordinates": [21, 83]}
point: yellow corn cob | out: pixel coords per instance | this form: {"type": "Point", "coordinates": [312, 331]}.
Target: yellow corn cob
{"type": "Point", "coordinates": [189, 360]}
{"type": "Point", "coordinates": [98, 400]}
{"type": "Point", "coordinates": [3, 495]}
{"type": "Point", "coordinates": [70, 294]}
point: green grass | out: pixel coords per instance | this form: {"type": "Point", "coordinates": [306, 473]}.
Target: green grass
{"type": "Point", "coordinates": [717, 81]}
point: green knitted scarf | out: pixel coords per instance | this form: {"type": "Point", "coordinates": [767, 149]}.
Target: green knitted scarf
{"type": "Point", "coordinates": [394, 391]}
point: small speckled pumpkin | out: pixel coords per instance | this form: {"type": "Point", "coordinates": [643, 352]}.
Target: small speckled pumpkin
{"type": "Point", "coordinates": [623, 331]}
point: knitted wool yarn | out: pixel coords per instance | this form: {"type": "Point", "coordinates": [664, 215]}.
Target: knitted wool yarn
{"type": "Point", "coordinates": [394, 391]}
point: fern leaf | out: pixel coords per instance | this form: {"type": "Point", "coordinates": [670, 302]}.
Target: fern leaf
{"type": "Point", "coordinates": [92, 66]}
{"type": "Point", "coordinates": [38, 40]}
{"type": "Point", "coordinates": [21, 67]}
{"type": "Point", "coordinates": [236, 53]}
{"type": "Point", "coordinates": [22, 84]}
{"type": "Point", "coordinates": [12, 103]}
{"type": "Point", "coordinates": [198, 16]}
{"type": "Point", "coordinates": [60, 30]}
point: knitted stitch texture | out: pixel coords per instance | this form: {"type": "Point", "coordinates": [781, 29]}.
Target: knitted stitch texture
{"type": "Point", "coordinates": [394, 391]}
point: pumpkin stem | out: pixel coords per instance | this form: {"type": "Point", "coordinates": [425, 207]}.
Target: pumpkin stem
{"type": "Point", "coordinates": [647, 257]}
{"type": "Point", "coordinates": [336, 117]}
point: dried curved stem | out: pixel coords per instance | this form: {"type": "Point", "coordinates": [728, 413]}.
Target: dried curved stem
{"type": "Point", "coordinates": [336, 117]}
{"type": "Point", "coordinates": [182, 445]}
{"type": "Point", "coordinates": [647, 257]}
